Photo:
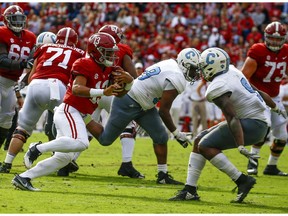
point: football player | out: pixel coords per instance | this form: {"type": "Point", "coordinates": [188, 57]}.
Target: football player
{"type": "Point", "coordinates": [265, 67]}
{"type": "Point", "coordinates": [47, 85]}
{"type": "Point", "coordinates": [164, 80]}
{"type": "Point", "coordinates": [88, 82]}
{"type": "Point", "coordinates": [246, 123]}
{"type": "Point", "coordinates": [16, 44]}
{"type": "Point", "coordinates": [127, 138]}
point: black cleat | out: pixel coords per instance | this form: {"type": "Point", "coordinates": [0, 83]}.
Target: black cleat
{"type": "Point", "coordinates": [244, 188]}
{"type": "Point", "coordinates": [127, 169]}
{"type": "Point", "coordinates": [5, 167]}
{"type": "Point", "coordinates": [23, 183]}
{"type": "Point", "coordinates": [252, 167]}
{"type": "Point", "coordinates": [165, 178]}
{"type": "Point", "coordinates": [31, 155]}
{"type": "Point", "coordinates": [273, 170]}
{"type": "Point", "coordinates": [69, 168]}
{"type": "Point", "coordinates": [185, 195]}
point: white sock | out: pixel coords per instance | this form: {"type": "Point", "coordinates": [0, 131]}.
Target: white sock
{"type": "Point", "coordinates": [62, 144]}
{"type": "Point", "coordinates": [195, 166]}
{"type": "Point", "coordinates": [273, 160]}
{"type": "Point", "coordinates": [9, 158]}
{"type": "Point", "coordinates": [255, 150]}
{"type": "Point", "coordinates": [221, 162]}
{"type": "Point", "coordinates": [127, 148]}
{"type": "Point", "coordinates": [162, 167]}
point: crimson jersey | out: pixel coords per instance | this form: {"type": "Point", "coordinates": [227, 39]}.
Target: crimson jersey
{"type": "Point", "coordinates": [271, 68]}
{"type": "Point", "coordinates": [55, 61]}
{"type": "Point", "coordinates": [96, 78]}
{"type": "Point", "coordinates": [124, 49]}
{"type": "Point", "coordinates": [18, 48]}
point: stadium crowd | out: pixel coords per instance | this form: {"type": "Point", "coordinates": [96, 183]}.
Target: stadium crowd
{"type": "Point", "coordinates": [157, 31]}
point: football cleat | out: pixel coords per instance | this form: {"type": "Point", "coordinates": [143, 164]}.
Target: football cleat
{"type": "Point", "coordinates": [31, 155]}
{"type": "Point", "coordinates": [273, 170]}
{"type": "Point", "coordinates": [69, 168]}
{"type": "Point", "coordinates": [252, 167]}
{"type": "Point", "coordinates": [185, 195]}
{"type": "Point", "coordinates": [5, 167]}
{"type": "Point", "coordinates": [127, 169]}
{"type": "Point", "coordinates": [23, 183]}
{"type": "Point", "coordinates": [165, 178]}
{"type": "Point", "coordinates": [244, 188]}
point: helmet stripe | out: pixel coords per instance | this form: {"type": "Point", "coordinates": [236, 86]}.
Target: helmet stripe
{"type": "Point", "coordinates": [67, 37]}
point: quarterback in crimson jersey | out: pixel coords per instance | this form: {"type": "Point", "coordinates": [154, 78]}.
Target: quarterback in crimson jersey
{"type": "Point", "coordinates": [266, 67]}
{"type": "Point", "coordinates": [16, 44]}
{"type": "Point", "coordinates": [88, 81]}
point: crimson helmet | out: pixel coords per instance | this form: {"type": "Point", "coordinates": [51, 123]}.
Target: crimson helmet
{"type": "Point", "coordinates": [102, 47]}
{"type": "Point", "coordinates": [14, 18]}
{"type": "Point", "coordinates": [114, 31]}
{"type": "Point", "coordinates": [67, 36]}
{"type": "Point", "coordinates": [275, 36]}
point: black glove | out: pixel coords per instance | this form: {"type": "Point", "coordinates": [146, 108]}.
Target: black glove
{"type": "Point", "coordinates": [27, 64]}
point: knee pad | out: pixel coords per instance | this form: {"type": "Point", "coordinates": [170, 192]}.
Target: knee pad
{"type": "Point", "coordinates": [277, 146]}
{"type": "Point", "coordinates": [128, 133]}
{"type": "Point", "coordinates": [21, 135]}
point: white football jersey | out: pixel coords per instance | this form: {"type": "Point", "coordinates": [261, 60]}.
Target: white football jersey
{"type": "Point", "coordinates": [247, 102]}
{"type": "Point", "coordinates": [148, 88]}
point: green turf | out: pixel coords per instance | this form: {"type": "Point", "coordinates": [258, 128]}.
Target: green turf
{"type": "Point", "coordinates": [96, 187]}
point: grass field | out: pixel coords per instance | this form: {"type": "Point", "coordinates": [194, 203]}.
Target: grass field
{"type": "Point", "coordinates": [97, 189]}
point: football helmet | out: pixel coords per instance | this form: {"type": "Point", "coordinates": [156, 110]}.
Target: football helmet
{"type": "Point", "coordinates": [67, 36]}
{"type": "Point", "coordinates": [188, 61]}
{"type": "Point", "coordinates": [214, 61]}
{"type": "Point", "coordinates": [45, 38]}
{"type": "Point", "coordinates": [275, 36]}
{"type": "Point", "coordinates": [114, 31]}
{"type": "Point", "coordinates": [102, 47]}
{"type": "Point", "coordinates": [14, 18]}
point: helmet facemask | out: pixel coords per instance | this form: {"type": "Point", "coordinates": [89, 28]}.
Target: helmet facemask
{"type": "Point", "coordinates": [108, 56]}
{"type": "Point", "coordinates": [16, 22]}
{"type": "Point", "coordinates": [274, 42]}
{"type": "Point", "coordinates": [191, 72]}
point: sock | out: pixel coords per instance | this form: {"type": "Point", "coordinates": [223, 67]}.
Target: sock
{"type": "Point", "coordinates": [221, 162]}
{"type": "Point", "coordinates": [273, 160]}
{"type": "Point", "coordinates": [9, 158]}
{"type": "Point", "coordinates": [127, 149]}
{"type": "Point", "coordinates": [195, 166]}
{"type": "Point", "coordinates": [162, 167]}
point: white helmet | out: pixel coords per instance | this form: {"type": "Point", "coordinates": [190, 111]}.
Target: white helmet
{"type": "Point", "coordinates": [188, 60]}
{"type": "Point", "coordinates": [214, 61]}
{"type": "Point", "coordinates": [45, 38]}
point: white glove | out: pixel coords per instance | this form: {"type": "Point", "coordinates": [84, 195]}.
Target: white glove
{"type": "Point", "coordinates": [182, 138]}
{"type": "Point", "coordinates": [279, 111]}
{"type": "Point", "coordinates": [246, 153]}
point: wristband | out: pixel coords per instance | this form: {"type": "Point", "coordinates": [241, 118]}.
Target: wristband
{"type": "Point", "coordinates": [175, 133]}
{"type": "Point", "coordinates": [96, 92]}
{"type": "Point", "coordinates": [128, 85]}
